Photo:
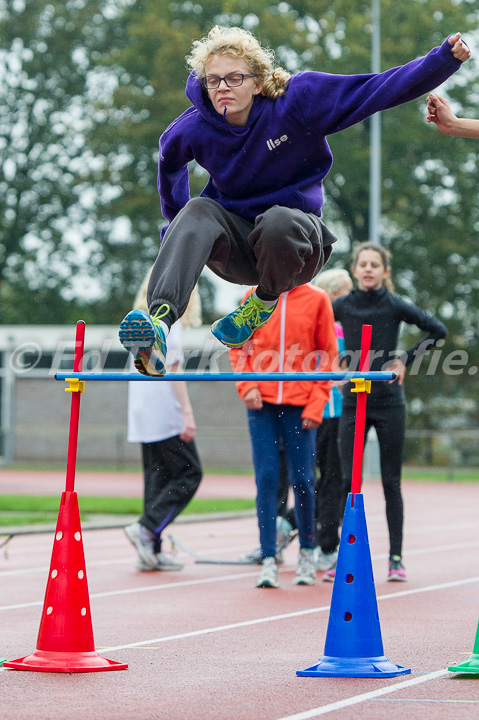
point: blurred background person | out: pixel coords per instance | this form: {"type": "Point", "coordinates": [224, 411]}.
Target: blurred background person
{"type": "Point", "coordinates": [160, 417]}
{"type": "Point", "coordinates": [292, 341]}
{"type": "Point", "coordinates": [328, 485]}
{"type": "Point", "coordinates": [375, 303]}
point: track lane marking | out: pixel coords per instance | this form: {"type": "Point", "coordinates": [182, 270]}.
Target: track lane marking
{"type": "Point", "coordinates": [286, 616]}
{"type": "Point", "coordinates": [218, 628]}
{"type": "Point", "coordinates": [239, 576]}
{"type": "Point", "coordinates": [121, 561]}
{"type": "Point", "coordinates": [424, 700]}
{"type": "Point", "coordinates": [145, 588]}
{"type": "Point", "coordinates": [356, 699]}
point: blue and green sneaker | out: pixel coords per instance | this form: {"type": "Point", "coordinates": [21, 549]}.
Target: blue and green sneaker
{"type": "Point", "coordinates": [235, 329]}
{"type": "Point", "coordinates": [142, 335]}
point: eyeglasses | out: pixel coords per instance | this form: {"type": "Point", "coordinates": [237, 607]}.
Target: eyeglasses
{"type": "Point", "coordinates": [212, 82]}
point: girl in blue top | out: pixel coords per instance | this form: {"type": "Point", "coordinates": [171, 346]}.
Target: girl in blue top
{"type": "Point", "coordinates": [261, 135]}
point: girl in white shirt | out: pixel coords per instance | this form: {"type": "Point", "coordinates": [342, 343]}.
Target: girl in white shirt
{"type": "Point", "coordinates": [160, 417]}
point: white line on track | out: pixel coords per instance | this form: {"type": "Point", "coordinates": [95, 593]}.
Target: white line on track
{"type": "Point", "coordinates": [287, 616]}
{"type": "Point", "coordinates": [238, 576]}
{"type": "Point", "coordinates": [147, 588]}
{"type": "Point", "coordinates": [356, 699]}
{"type": "Point", "coordinates": [430, 588]}
{"type": "Point", "coordinates": [426, 700]}
{"type": "Point", "coordinates": [219, 628]}
{"type": "Point", "coordinates": [315, 712]}
{"type": "Point", "coordinates": [211, 552]}
{"type": "Point", "coordinates": [45, 569]}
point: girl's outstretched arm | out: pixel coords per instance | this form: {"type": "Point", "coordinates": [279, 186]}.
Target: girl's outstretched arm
{"type": "Point", "coordinates": [331, 103]}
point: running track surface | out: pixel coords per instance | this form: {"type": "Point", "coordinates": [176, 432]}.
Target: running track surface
{"type": "Point", "coordinates": [204, 643]}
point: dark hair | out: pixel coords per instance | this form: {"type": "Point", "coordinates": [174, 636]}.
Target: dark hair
{"type": "Point", "coordinates": [385, 255]}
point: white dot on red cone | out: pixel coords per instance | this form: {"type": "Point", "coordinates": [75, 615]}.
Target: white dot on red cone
{"type": "Point", "coordinates": [54, 573]}
{"type": "Point", "coordinates": [49, 610]}
{"type": "Point", "coordinates": [83, 611]}
{"type": "Point", "coordinates": [80, 574]}
{"type": "Point", "coordinates": [77, 536]}
{"type": "Point", "coordinates": [59, 535]}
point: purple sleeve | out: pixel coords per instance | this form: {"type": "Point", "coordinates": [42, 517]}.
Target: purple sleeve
{"type": "Point", "coordinates": [331, 103]}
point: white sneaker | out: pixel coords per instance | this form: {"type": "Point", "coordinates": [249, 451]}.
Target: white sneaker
{"type": "Point", "coordinates": [167, 562]}
{"type": "Point", "coordinates": [143, 540]}
{"type": "Point", "coordinates": [325, 561]}
{"type": "Point", "coordinates": [163, 562]}
{"type": "Point", "coordinates": [305, 570]}
{"type": "Point", "coordinates": [268, 577]}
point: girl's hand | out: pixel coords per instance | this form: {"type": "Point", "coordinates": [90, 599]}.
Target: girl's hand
{"type": "Point", "coordinates": [253, 399]}
{"type": "Point", "coordinates": [439, 112]}
{"type": "Point", "coordinates": [458, 48]}
{"type": "Point", "coordinates": [190, 427]}
{"type": "Point", "coordinates": [398, 367]}
{"type": "Point", "coordinates": [309, 424]}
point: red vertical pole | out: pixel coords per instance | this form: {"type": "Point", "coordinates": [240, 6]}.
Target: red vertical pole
{"type": "Point", "coordinates": [360, 414]}
{"type": "Point", "coordinates": [75, 410]}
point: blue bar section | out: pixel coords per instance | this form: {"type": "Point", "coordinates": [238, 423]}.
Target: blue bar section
{"type": "Point", "coordinates": [226, 376]}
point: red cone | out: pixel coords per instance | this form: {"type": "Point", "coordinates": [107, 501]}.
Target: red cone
{"type": "Point", "coordinates": [65, 638]}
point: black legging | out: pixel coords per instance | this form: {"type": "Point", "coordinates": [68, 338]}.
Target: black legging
{"type": "Point", "coordinates": [172, 473]}
{"type": "Point", "coordinates": [390, 427]}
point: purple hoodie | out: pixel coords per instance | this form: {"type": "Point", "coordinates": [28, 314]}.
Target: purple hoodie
{"type": "Point", "coordinates": [281, 155]}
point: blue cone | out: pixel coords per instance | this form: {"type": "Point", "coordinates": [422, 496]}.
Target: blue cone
{"type": "Point", "coordinates": [354, 646]}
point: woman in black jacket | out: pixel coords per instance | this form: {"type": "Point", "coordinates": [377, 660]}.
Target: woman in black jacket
{"type": "Point", "coordinates": [374, 303]}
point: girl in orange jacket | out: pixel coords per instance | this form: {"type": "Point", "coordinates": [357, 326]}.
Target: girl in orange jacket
{"type": "Point", "coordinates": [299, 337]}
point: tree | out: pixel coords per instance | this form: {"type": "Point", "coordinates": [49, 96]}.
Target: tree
{"type": "Point", "coordinates": [45, 228]}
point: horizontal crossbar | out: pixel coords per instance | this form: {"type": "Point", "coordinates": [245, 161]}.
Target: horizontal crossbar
{"type": "Point", "coordinates": [228, 376]}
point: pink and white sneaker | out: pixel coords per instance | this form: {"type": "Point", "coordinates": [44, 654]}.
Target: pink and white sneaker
{"type": "Point", "coordinates": [397, 571]}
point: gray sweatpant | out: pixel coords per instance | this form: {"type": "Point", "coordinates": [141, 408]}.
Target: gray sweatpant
{"type": "Point", "coordinates": [282, 249]}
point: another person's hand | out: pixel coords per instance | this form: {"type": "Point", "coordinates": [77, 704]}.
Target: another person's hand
{"type": "Point", "coordinates": [398, 367]}
{"type": "Point", "coordinates": [190, 427]}
{"type": "Point", "coordinates": [458, 48]}
{"type": "Point", "coordinates": [253, 399]}
{"type": "Point", "coordinates": [439, 112]}
{"type": "Point", "coordinates": [309, 424]}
